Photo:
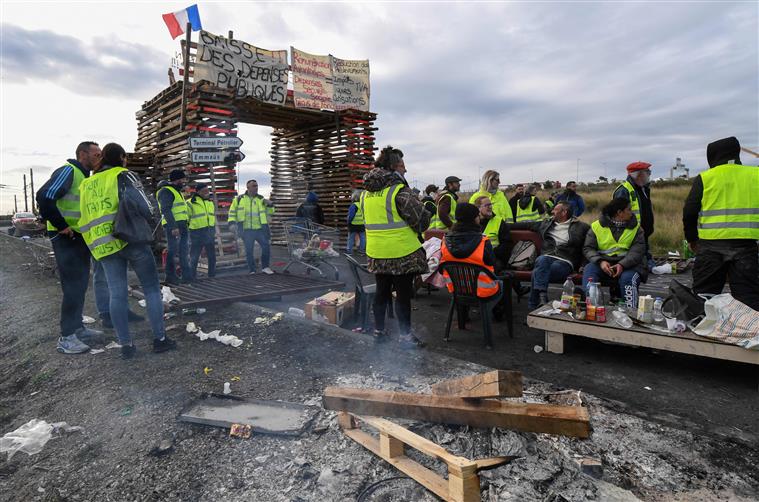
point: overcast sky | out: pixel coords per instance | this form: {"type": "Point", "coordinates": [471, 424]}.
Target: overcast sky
{"type": "Point", "coordinates": [523, 88]}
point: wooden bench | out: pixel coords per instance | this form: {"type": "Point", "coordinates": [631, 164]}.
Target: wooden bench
{"type": "Point", "coordinates": [558, 326]}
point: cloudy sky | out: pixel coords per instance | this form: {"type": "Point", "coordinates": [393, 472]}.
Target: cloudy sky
{"type": "Point", "coordinates": [525, 88]}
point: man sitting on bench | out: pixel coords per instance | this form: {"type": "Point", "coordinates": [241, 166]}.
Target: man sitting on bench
{"type": "Point", "coordinates": [615, 249]}
{"type": "Point", "coordinates": [561, 253]}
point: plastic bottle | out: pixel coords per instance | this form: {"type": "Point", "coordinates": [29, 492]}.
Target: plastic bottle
{"type": "Point", "coordinates": [658, 316]}
{"type": "Point", "coordinates": [190, 311]}
{"type": "Point", "coordinates": [594, 293]}
{"type": "Point", "coordinates": [621, 318]}
{"type": "Point", "coordinates": [567, 295]}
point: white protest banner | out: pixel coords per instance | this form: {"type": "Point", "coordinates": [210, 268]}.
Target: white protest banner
{"type": "Point", "coordinates": [350, 79]}
{"type": "Point", "coordinates": [235, 64]}
{"type": "Point", "coordinates": [312, 80]}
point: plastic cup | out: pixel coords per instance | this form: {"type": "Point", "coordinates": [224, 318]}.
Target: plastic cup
{"type": "Point", "coordinates": [671, 324]}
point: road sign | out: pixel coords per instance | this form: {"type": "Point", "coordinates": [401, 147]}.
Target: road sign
{"type": "Point", "coordinates": [228, 142]}
{"type": "Point", "coordinates": [215, 157]}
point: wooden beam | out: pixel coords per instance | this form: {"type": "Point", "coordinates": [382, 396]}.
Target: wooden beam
{"type": "Point", "coordinates": [498, 383]}
{"type": "Point", "coordinates": [529, 417]}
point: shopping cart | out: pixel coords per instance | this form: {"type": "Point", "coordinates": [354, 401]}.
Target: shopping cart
{"type": "Point", "coordinates": [311, 245]}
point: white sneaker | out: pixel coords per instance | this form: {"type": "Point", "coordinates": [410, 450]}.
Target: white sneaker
{"type": "Point", "coordinates": [252, 273]}
{"type": "Point", "coordinates": [267, 270]}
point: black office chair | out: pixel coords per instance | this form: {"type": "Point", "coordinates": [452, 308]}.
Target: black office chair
{"type": "Point", "coordinates": [464, 277]}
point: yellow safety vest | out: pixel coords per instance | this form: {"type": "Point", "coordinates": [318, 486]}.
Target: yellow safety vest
{"type": "Point", "coordinates": [250, 211]}
{"type": "Point", "coordinates": [435, 221]}
{"type": "Point", "coordinates": [387, 234]}
{"type": "Point", "coordinates": [68, 205]}
{"type": "Point", "coordinates": [202, 213]}
{"type": "Point", "coordinates": [358, 216]}
{"type": "Point", "coordinates": [501, 206]}
{"type": "Point", "coordinates": [634, 203]}
{"type": "Point", "coordinates": [730, 203]}
{"type": "Point", "coordinates": [178, 207]}
{"type": "Point", "coordinates": [491, 230]}
{"type": "Point", "coordinates": [607, 245]}
{"type": "Point", "coordinates": [99, 202]}
{"type": "Point", "coordinates": [529, 214]}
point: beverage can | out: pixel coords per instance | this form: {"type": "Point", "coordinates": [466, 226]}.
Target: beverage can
{"type": "Point", "coordinates": [601, 314]}
{"type": "Point", "coordinates": [590, 312]}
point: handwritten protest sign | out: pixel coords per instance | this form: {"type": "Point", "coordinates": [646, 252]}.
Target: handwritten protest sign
{"type": "Point", "coordinates": [312, 80]}
{"type": "Point", "coordinates": [350, 80]}
{"type": "Point", "coordinates": [235, 64]}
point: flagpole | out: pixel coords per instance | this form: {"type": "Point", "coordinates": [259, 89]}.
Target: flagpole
{"type": "Point", "coordinates": [186, 79]}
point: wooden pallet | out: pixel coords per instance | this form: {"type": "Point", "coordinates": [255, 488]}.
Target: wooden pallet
{"type": "Point", "coordinates": [463, 483]}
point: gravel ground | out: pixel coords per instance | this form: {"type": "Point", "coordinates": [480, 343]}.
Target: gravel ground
{"type": "Point", "coordinates": [128, 408]}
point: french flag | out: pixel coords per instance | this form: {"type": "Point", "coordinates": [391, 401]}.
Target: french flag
{"type": "Point", "coordinates": [176, 21]}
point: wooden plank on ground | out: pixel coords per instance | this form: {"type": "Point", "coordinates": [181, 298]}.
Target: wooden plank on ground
{"type": "Point", "coordinates": [498, 383]}
{"type": "Point", "coordinates": [529, 417]}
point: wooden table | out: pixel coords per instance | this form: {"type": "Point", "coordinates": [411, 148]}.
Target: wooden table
{"type": "Point", "coordinates": [559, 325]}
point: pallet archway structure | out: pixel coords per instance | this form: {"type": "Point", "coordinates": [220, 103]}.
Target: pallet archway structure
{"type": "Point", "coordinates": [326, 152]}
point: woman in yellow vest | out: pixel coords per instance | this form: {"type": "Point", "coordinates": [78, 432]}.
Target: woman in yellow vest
{"type": "Point", "coordinates": [202, 229]}
{"type": "Point", "coordinates": [489, 188]}
{"type": "Point", "coordinates": [393, 218]}
{"type": "Point", "coordinates": [356, 224]}
{"type": "Point", "coordinates": [615, 250]}
{"type": "Point", "coordinates": [99, 203]}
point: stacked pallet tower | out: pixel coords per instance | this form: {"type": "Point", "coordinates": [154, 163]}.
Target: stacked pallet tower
{"type": "Point", "coordinates": [322, 151]}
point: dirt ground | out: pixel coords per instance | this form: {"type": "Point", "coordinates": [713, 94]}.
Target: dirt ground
{"type": "Point", "coordinates": [648, 452]}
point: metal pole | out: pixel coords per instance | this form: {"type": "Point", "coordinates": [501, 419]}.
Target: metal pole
{"type": "Point", "coordinates": [15, 204]}
{"type": "Point", "coordinates": [578, 171]}
{"type": "Point", "coordinates": [215, 207]}
{"type": "Point", "coordinates": [31, 181]}
{"type": "Point", "coordinates": [26, 200]}
{"type": "Point", "coordinates": [186, 76]}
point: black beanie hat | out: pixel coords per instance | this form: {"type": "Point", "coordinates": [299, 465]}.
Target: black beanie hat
{"type": "Point", "coordinates": [176, 174]}
{"type": "Point", "coordinates": [466, 212]}
{"type": "Point", "coordinates": [723, 151]}
{"type": "Point", "coordinates": [200, 186]}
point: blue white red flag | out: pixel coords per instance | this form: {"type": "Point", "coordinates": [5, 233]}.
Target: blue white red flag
{"type": "Point", "coordinates": [177, 21]}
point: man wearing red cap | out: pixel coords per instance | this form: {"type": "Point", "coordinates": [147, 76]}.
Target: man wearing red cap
{"type": "Point", "coordinates": [636, 189]}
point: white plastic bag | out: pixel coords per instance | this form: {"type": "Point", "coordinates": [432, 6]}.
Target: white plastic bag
{"type": "Point", "coordinates": [31, 437]}
{"type": "Point", "coordinates": [730, 321]}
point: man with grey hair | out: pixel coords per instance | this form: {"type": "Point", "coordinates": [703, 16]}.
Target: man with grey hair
{"type": "Point", "coordinates": [561, 253]}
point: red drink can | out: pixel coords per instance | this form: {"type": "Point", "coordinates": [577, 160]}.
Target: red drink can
{"type": "Point", "coordinates": [601, 314]}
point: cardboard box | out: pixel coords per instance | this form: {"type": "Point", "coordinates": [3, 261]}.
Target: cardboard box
{"type": "Point", "coordinates": [335, 308]}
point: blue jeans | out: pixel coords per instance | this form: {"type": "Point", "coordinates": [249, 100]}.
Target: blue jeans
{"type": "Point", "coordinates": [141, 259]}
{"type": "Point", "coordinates": [628, 281]}
{"type": "Point", "coordinates": [361, 241]}
{"type": "Point", "coordinates": [261, 236]}
{"type": "Point", "coordinates": [177, 246]}
{"type": "Point", "coordinates": [100, 285]}
{"type": "Point", "coordinates": [72, 258]}
{"type": "Point", "coordinates": [547, 270]}
{"type": "Point", "coordinates": [199, 239]}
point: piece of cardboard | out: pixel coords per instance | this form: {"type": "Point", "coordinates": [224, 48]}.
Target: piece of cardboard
{"type": "Point", "coordinates": [335, 307]}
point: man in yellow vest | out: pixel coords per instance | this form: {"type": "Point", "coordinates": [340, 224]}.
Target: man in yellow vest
{"type": "Point", "coordinates": [175, 221]}
{"type": "Point", "coordinates": [637, 189]}
{"type": "Point", "coordinates": [393, 218]}
{"type": "Point", "coordinates": [529, 207]}
{"type": "Point", "coordinates": [445, 205]}
{"type": "Point", "coordinates": [356, 224]}
{"type": "Point", "coordinates": [100, 195]}
{"type": "Point", "coordinates": [202, 229]}
{"type": "Point", "coordinates": [721, 222]}
{"type": "Point", "coordinates": [615, 250]}
{"type": "Point", "coordinates": [249, 217]}
{"type": "Point", "coordinates": [58, 201]}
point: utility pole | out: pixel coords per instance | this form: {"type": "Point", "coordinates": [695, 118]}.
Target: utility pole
{"type": "Point", "coordinates": [31, 182]}
{"type": "Point", "coordinates": [15, 204]}
{"type": "Point", "coordinates": [26, 200]}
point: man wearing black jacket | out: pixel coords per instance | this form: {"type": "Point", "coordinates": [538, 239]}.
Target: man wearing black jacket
{"type": "Point", "coordinates": [58, 201]}
{"type": "Point", "coordinates": [561, 252]}
{"type": "Point", "coordinates": [721, 223]}
{"type": "Point", "coordinates": [636, 189]}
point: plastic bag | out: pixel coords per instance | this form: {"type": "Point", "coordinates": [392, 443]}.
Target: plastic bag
{"type": "Point", "coordinates": [32, 437]}
{"type": "Point", "coordinates": [730, 321]}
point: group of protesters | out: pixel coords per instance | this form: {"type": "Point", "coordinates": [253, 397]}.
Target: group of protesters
{"type": "Point", "coordinates": [720, 219]}
{"type": "Point", "coordinates": [86, 200]}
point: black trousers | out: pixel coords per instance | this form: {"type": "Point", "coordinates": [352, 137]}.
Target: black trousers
{"type": "Point", "coordinates": [73, 260]}
{"type": "Point", "coordinates": [404, 290]}
{"type": "Point", "coordinates": [734, 261]}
